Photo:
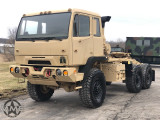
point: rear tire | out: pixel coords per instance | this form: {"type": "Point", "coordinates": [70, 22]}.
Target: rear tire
{"type": "Point", "coordinates": [93, 91]}
{"type": "Point", "coordinates": [39, 92]}
{"type": "Point", "coordinates": [146, 76]}
{"type": "Point", "coordinates": [134, 82]}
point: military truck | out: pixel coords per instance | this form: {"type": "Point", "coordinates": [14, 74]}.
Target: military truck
{"type": "Point", "coordinates": [117, 48]}
{"type": "Point", "coordinates": [144, 49]}
{"type": "Point", "coordinates": [67, 49]}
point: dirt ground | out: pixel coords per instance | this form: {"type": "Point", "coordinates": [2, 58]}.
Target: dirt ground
{"type": "Point", "coordinates": [118, 105]}
{"type": "Point", "coordinates": [9, 85]}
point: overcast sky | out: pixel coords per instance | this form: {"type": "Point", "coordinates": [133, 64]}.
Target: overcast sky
{"type": "Point", "coordinates": [130, 18]}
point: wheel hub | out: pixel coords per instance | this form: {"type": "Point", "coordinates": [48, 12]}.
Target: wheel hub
{"type": "Point", "coordinates": [97, 91]}
{"type": "Point", "coordinates": [44, 89]}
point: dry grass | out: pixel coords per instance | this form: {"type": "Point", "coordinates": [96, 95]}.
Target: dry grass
{"type": "Point", "coordinates": [9, 85]}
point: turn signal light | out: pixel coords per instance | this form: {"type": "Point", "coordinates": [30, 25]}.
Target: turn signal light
{"type": "Point", "coordinates": [65, 73]}
{"type": "Point", "coordinates": [11, 69]}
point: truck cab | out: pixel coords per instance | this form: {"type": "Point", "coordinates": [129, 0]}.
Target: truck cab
{"type": "Point", "coordinates": [62, 38]}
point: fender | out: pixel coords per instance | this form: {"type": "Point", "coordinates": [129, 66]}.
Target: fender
{"type": "Point", "coordinates": [90, 62]}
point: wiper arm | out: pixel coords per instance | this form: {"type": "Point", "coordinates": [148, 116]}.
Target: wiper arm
{"type": "Point", "coordinates": [50, 38]}
{"type": "Point", "coordinates": [24, 39]}
{"type": "Point", "coordinates": [43, 38]}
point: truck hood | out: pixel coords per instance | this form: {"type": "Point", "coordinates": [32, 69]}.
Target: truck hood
{"type": "Point", "coordinates": [42, 52]}
{"type": "Point", "coordinates": [41, 48]}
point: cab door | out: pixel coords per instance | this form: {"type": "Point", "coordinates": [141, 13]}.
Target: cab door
{"type": "Point", "coordinates": [97, 37]}
{"type": "Point", "coordinates": [82, 39]}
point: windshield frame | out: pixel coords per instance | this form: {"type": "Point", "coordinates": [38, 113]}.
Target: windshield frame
{"type": "Point", "coordinates": [48, 37]}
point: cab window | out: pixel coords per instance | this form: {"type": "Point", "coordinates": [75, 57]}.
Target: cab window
{"type": "Point", "coordinates": [97, 27]}
{"type": "Point", "coordinates": [81, 26]}
{"type": "Point", "coordinates": [139, 42]}
{"type": "Point", "coordinates": [146, 42]}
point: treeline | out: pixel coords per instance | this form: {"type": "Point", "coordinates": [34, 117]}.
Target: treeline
{"type": "Point", "coordinates": [120, 42]}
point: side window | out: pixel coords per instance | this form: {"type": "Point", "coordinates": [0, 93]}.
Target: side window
{"type": "Point", "coordinates": [75, 26]}
{"type": "Point", "coordinates": [138, 42]}
{"type": "Point", "coordinates": [81, 26]}
{"type": "Point", "coordinates": [146, 42]}
{"type": "Point", "coordinates": [97, 28]}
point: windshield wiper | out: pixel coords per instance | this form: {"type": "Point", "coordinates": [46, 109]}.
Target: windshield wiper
{"type": "Point", "coordinates": [43, 38]}
{"type": "Point", "coordinates": [51, 38]}
{"type": "Point", "coordinates": [24, 39]}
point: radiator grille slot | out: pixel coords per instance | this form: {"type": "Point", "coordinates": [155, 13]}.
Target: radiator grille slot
{"type": "Point", "coordinates": [39, 62]}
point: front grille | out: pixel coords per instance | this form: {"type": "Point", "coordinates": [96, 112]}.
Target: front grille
{"type": "Point", "coordinates": [39, 62]}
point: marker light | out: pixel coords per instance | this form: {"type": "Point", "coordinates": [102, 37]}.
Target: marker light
{"type": "Point", "coordinates": [75, 71]}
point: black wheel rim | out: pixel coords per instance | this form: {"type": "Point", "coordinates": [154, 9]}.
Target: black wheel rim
{"type": "Point", "coordinates": [44, 89]}
{"type": "Point", "coordinates": [97, 90]}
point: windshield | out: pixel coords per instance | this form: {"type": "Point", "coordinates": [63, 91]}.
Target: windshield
{"type": "Point", "coordinates": [52, 26]}
{"type": "Point", "coordinates": [116, 50]}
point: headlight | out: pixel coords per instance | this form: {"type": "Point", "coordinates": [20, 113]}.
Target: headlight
{"type": "Point", "coordinates": [58, 72]}
{"type": "Point", "coordinates": [17, 70]}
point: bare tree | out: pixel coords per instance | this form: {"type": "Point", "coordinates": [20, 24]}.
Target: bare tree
{"type": "Point", "coordinates": [9, 45]}
{"type": "Point", "coordinates": [12, 35]}
{"type": "Point", "coordinates": [119, 42]}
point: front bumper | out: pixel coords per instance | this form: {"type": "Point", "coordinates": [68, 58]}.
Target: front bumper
{"type": "Point", "coordinates": [40, 77]}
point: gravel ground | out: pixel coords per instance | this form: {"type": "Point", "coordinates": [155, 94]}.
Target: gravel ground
{"type": "Point", "coordinates": [118, 105]}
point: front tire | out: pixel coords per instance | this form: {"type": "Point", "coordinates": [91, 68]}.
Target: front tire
{"type": "Point", "coordinates": [93, 91]}
{"type": "Point", "coordinates": [134, 82]}
{"type": "Point", "coordinates": [39, 92]}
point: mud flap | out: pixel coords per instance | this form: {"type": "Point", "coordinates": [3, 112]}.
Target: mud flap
{"type": "Point", "coordinates": [153, 75]}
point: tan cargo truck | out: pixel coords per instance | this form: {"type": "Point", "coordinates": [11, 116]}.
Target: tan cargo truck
{"type": "Point", "coordinates": [67, 49]}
